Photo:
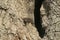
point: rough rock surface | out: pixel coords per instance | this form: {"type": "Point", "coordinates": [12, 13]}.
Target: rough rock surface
{"type": "Point", "coordinates": [53, 10]}
{"type": "Point", "coordinates": [16, 20]}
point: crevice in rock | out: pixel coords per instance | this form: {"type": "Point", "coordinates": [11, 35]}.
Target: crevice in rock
{"type": "Point", "coordinates": [27, 20]}
{"type": "Point", "coordinates": [38, 19]}
{"type": "Point", "coordinates": [5, 9]}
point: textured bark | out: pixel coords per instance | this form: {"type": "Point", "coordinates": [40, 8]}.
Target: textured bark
{"type": "Point", "coordinates": [16, 20]}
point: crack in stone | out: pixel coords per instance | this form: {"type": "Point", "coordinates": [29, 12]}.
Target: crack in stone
{"type": "Point", "coordinates": [5, 9]}
{"type": "Point", "coordinates": [38, 18]}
